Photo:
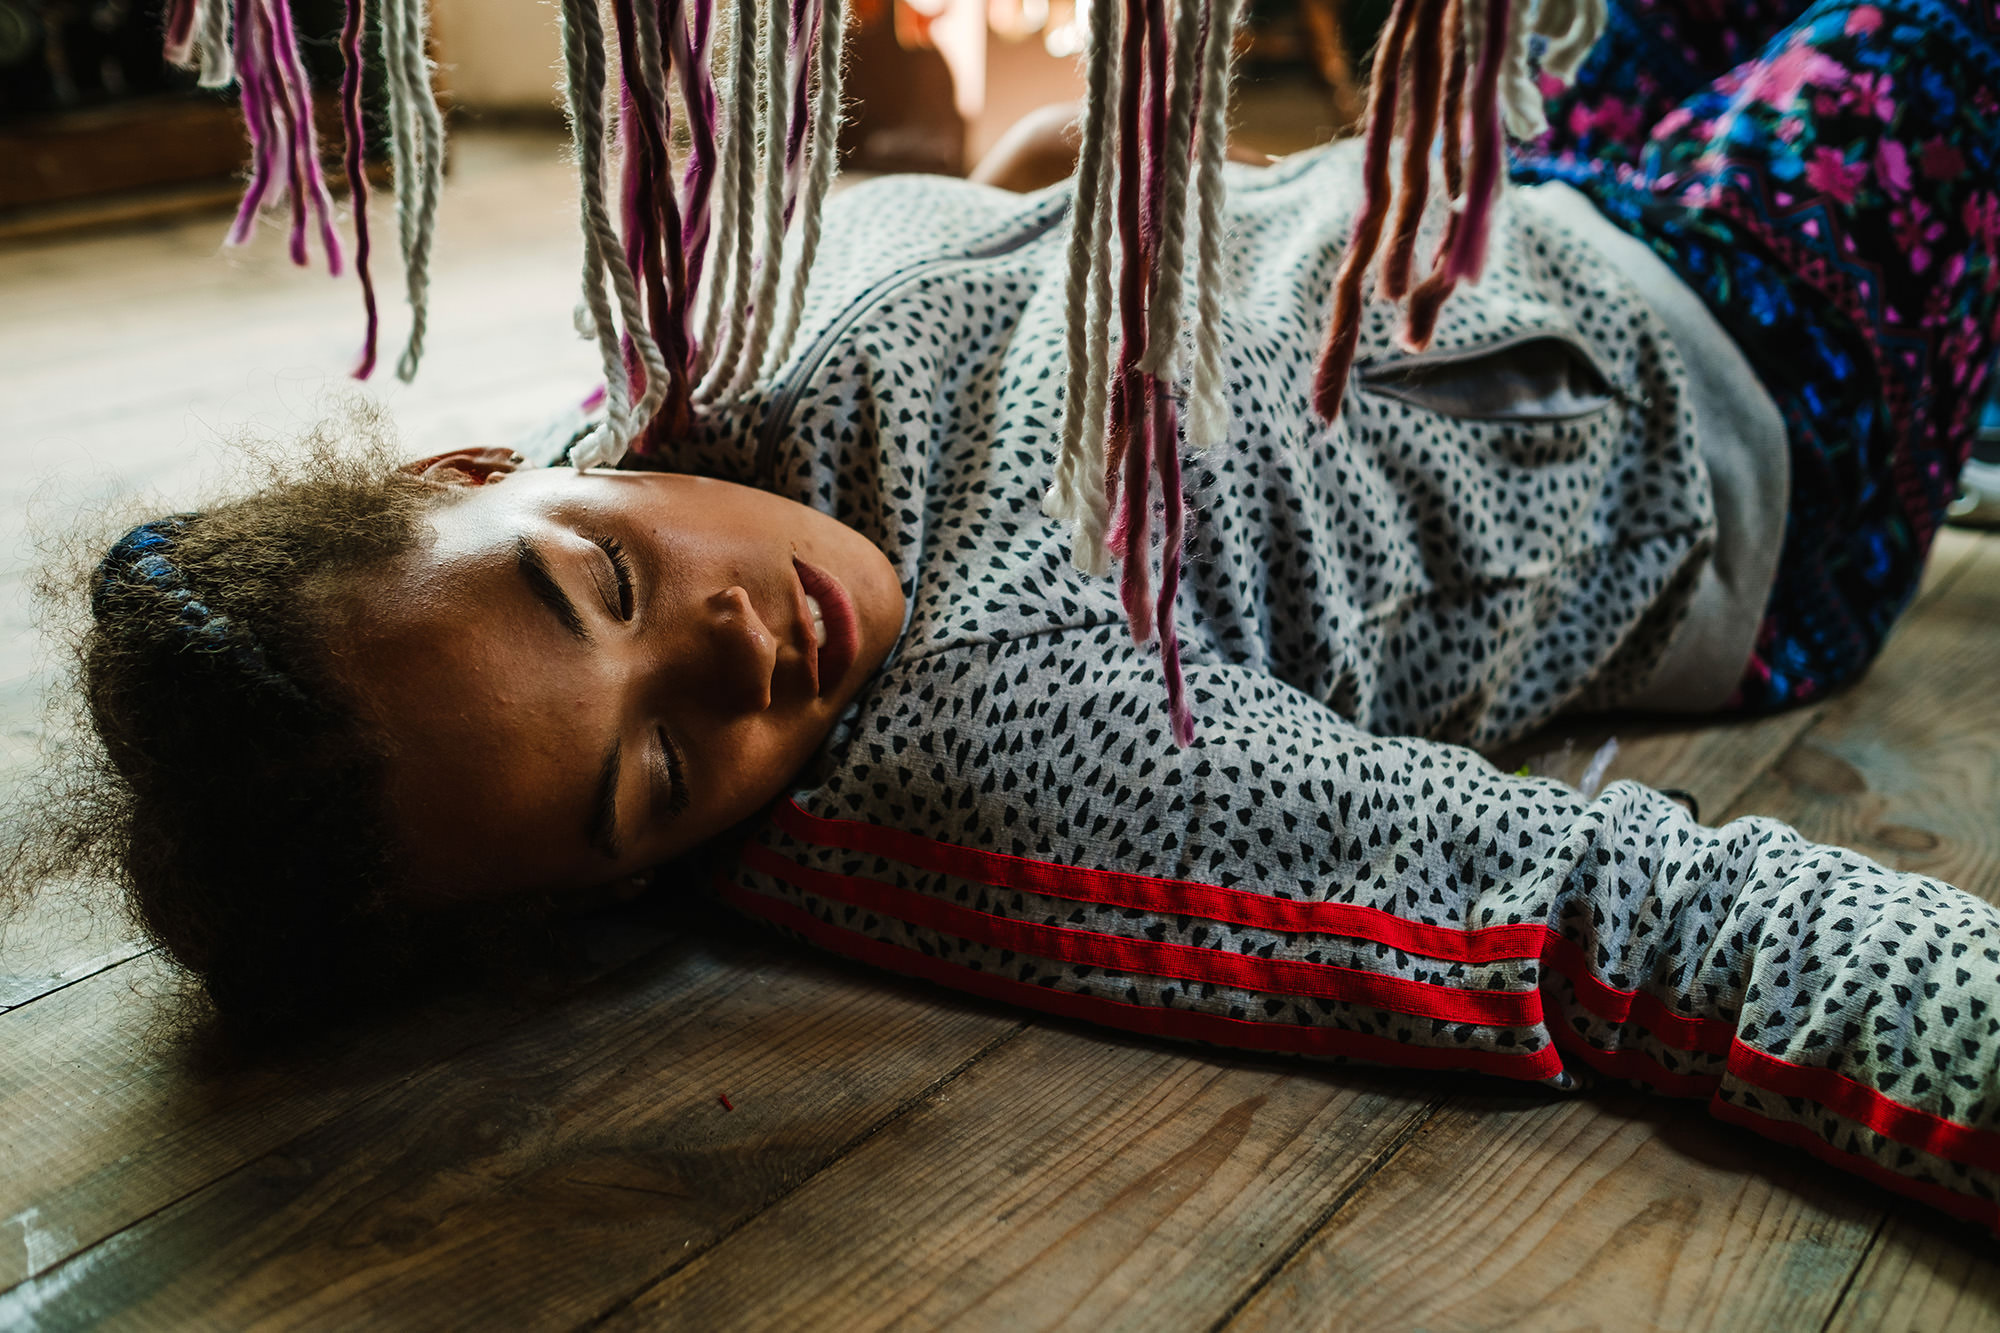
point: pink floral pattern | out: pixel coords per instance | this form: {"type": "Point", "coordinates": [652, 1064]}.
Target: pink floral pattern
{"type": "Point", "coordinates": [1827, 177]}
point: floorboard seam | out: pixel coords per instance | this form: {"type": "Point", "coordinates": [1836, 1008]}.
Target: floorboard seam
{"type": "Point", "coordinates": [1327, 1214]}
{"type": "Point", "coordinates": [390, 1086]}
{"type": "Point", "coordinates": [132, 957]}
{"type": "Point", "coordinates": [1854, 1273]}
{"type": "Point", "coordinates": [834, 1158]}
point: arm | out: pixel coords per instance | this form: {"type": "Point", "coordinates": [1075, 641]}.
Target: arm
{"type": "Point", "coordinates": [1040, 149]}
{"type": "Point", "coordinates": [1014, 823]}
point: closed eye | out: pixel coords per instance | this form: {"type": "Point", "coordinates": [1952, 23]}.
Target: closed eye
{"type": "Point", "coordinates": [676, 764]}
{"type": "Point", "coordinates": [621, 568]}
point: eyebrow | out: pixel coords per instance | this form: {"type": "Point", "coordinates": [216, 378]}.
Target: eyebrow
{"type": "Point", "coordinates": [534, 567]}
{"type": "Point", "coordinates": [604, 807]}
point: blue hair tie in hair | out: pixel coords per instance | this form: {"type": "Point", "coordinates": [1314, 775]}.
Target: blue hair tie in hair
{"type": "Point", "coordinates": [142, 557]}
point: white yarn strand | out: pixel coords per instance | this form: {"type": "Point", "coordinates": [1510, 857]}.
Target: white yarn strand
{"type": "Point", "coordinates": [1163, 311]}
{"type": "Point", "coordinates": [583, 48]}
{"type": "Point", "coordinates": [823, 154]}
{"type": "Point", "coordinates": [1085, 258]}
{"type": "Point", "coordinates": [1087, 550]}
{"type": "Point", "coordinates": [211, 26]}
{"type": "Point", "coordinates": [1093, 504]}
{"type": "Point", "coordinates": [584, 87]}
{"type": "Point", "coordinates": [716, 278]}
{"type": "Point", "coordinates": [402, 127]}
{"type": "Point", "coordinates": [417, 150]}
{"type": "Point", "coordinates": [652, 73]}
{"type": "Point", "coordinates": [774, 101]}
{"type": "Point", "coordinates": [737, 233]}
{"type": "Point", "coordinates": [1569, 42]}
{"type": "Point", "coordinates": [1208, 413]}
{"type": "Point", "coordinates": [1520, 96]}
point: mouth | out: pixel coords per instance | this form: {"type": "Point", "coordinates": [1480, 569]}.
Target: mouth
{"type": "Point", "coordinates": [836, 632]}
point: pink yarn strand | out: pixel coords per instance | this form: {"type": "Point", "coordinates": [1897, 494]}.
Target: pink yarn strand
{"type": "Point", "coordinates": [178, 42]}
{"type": "Point", "coordinates": [1343, 331]}
{"type": "Point", "coordinates": [356, 161]}
{"type": "Point", "coordinates": [257, 120]}
{"type": "Point", "coordinates": [1482, 184]}
{"type": "Point", "coordinates": [1173, 523]}
{"type": "Point", "coordinates": [308, 178]}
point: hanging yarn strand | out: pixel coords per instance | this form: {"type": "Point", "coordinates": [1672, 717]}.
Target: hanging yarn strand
{"type": "Point", "coordinates": [738, 205]}
{"type": "Point", "coordinates": [1413, 192]}
{"type": "Point", "coordinates": [1484, 170]}
{"type": "Point", "coordinates": [604, 255]}
{"type": "Point", "coordinates": [773, 101]}
{"type": "Point", "coordinates": [1343, 331]}
{"type": "Point", "coordinates": [177, 38]}
{"type": "Point", "coordinates": [1147, 226]}
{"type": "Point", "coordinates": [411, 96]}
{"type": "Point", "coordinates": [690, 54]}
{"type": "Point", "coordinates": [651, 215]}
{"type": "Point", "coordinates": [218, 65]}
{"type": "Point", "coordinates": [1471, 81]}
{"type": "Point", "coordinates": [722, 238]}
{"type": "Point", "coordinates": [356, 164]}
{"type": "Point", "coordinates": [583, 86]}
{"type": "Point", "coordinates": [1075, 472]}
{"type": "Point", "coordinates": [1208, 415]}
{"type": "Point", "coordinates": [823, 152]}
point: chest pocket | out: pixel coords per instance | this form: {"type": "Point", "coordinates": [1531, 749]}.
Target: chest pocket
{"type": "Point", "coordinates": [1538, 378]}
{"type": "Point", "coordinates": [1486, 465]}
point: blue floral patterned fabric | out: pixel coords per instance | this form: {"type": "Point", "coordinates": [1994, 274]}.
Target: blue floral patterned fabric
{"type": "Point", "coordinates": [1827, 177]}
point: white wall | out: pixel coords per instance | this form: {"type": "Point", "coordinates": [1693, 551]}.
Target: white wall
{"type": "Point", "coordinates": [498, 54]}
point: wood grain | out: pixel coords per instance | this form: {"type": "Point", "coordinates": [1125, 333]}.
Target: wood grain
{"type": "Point", "coordinates": [1906, 768]}
{"type": "Point", "coordinates": [1070, 1180]}
{"type": "Point", "coordinates": [114, 1111]}
{"type": "Point", "coordinates": [894, 1153]}
{"type": "Point", "coordinates": [549, 1173]}
{"type": "Point", "coordinates": [1923, 1272]}
{"type": "Point", "coordinates": [1676, 1191]}
{"type": "Point", "coordinates": [62, 936]}
{"type": "Point", "coordinates": [1620, 1214]}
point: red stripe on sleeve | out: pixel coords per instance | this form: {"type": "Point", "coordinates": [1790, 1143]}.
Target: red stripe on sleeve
{"type": "Point", "coordinates": [1175, 897]}
{"type": "Point", "coordinates": [1180, 962]}
{"type": "Point", "coordinates": [1866, 1106]}
{"type": "Point", "coordinates": [1983, 1211]}
{"type": "Point", "coordinates": [1566, 956]}
{"type": "Point", "coordinates": [1149, 1020]}
{"type": "Point", "coordinates": [1849, 1098]}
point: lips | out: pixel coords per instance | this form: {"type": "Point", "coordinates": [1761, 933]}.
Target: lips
{"type": "Point", "coordinates": [835, 628]}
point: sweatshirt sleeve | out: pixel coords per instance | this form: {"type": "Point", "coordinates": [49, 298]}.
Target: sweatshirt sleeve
{"type": "Point", "coordinates": [1010, 819]}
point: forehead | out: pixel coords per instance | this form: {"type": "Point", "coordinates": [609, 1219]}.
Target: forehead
{"type": "Point", "coordinates": [492, 717]}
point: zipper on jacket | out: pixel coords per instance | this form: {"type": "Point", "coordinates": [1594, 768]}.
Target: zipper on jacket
{"type": "Point", "coordinates": [785, 400]}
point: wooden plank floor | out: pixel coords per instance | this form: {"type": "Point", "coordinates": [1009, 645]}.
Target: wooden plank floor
{"type": "Point", "coordinates": [889, 1154]}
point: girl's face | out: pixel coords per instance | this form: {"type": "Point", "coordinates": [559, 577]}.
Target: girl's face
{"type": "Point", "coordinates": [584, 675]}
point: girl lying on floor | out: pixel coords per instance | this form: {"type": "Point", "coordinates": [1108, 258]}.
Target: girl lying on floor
{"type": "Point", "coordinates": [1684, 447]}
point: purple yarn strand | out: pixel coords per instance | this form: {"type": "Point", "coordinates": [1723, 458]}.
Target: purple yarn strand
{"type": "Point", "coordinates": [690, 54]}
{"type": "Point", "coordinates": [1482, 182]}
{"type": "Point", "coordinates": [178, 44]}
{"type": "Point", "coordinates": [356, 161]}
{"type": "Point", "coordinates": [256, 121]}
{"type": "Point", "coordinates": [806, 18]}
{"type": "Point", "coordinates": [1173, 528]}
{"type": "Point", "coordinates": [309, 180]}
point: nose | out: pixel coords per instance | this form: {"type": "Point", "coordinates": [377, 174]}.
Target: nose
{"type": "Point", "coordinates": [742, 652]}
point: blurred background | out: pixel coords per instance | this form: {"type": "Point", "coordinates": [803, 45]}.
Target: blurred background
{"type": "Point", "coordinates": [94, 127]}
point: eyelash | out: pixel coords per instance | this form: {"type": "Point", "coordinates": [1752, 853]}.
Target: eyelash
{"type": "Point", "coordinates": [622, 566]}
{"type": "Point", "coordinates": [676, 773]}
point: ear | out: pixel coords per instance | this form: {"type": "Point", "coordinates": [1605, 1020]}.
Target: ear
{"type": "Point", "coordinates": [466, 467]}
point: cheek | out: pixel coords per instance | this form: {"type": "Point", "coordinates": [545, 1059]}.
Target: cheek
{"type": "Point", "coordinates": [756, 762]}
